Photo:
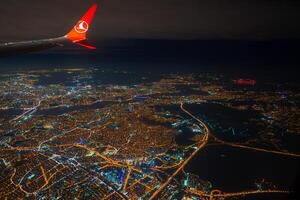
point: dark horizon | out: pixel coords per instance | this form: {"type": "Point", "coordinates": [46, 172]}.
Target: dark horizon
{"type": "Point", "coordinates": [277, 52]}
{"type": "Point", "coordinates": [264, 60]}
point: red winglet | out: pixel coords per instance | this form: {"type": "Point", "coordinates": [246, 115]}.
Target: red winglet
{"type": "Point", "coordinates": [78, 33]}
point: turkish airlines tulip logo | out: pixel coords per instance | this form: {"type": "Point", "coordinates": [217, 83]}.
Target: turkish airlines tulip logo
{"type": "Point", "coordinates": [81, 27]}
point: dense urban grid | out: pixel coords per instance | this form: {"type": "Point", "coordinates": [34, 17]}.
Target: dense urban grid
{"type": "Point", "coordinates": [65, 134]}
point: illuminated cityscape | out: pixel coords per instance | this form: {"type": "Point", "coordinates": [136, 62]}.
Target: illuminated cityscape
{"type": "Point", "coordinates": [149, 100]}
{"type": "Point", "coordinates": [66, 134]}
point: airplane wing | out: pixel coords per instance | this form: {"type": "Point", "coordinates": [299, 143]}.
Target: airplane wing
{"type": "Point", "coordinates": [77, 36]}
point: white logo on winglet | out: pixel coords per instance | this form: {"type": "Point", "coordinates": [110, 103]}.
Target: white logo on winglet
{"type": "Point", "coordinates": [81, 27]}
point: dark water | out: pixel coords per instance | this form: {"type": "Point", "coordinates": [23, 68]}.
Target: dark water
{"type": "Point", "coordinates": [184, 90]}
{"type": "Point", "coordinates": [233, 169]}
{"type": "Point", "coordinates": [227, 123]}
{"type": "Point", "coordinates": [63, 110]}
{"type": "Point", "coordinates": [10, 112]}
{"type": "Point", "coordinates": [58, 110]}
{"type": "Point", "coordinates": [55, 78]}
{"type": "Point", "coordinates": [97, 76]}
{"type": "Point", "coordinates": [223, 120]}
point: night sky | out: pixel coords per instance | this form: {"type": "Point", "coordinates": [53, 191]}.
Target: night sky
{"type": "Point", "coordinates": [153, 19]}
